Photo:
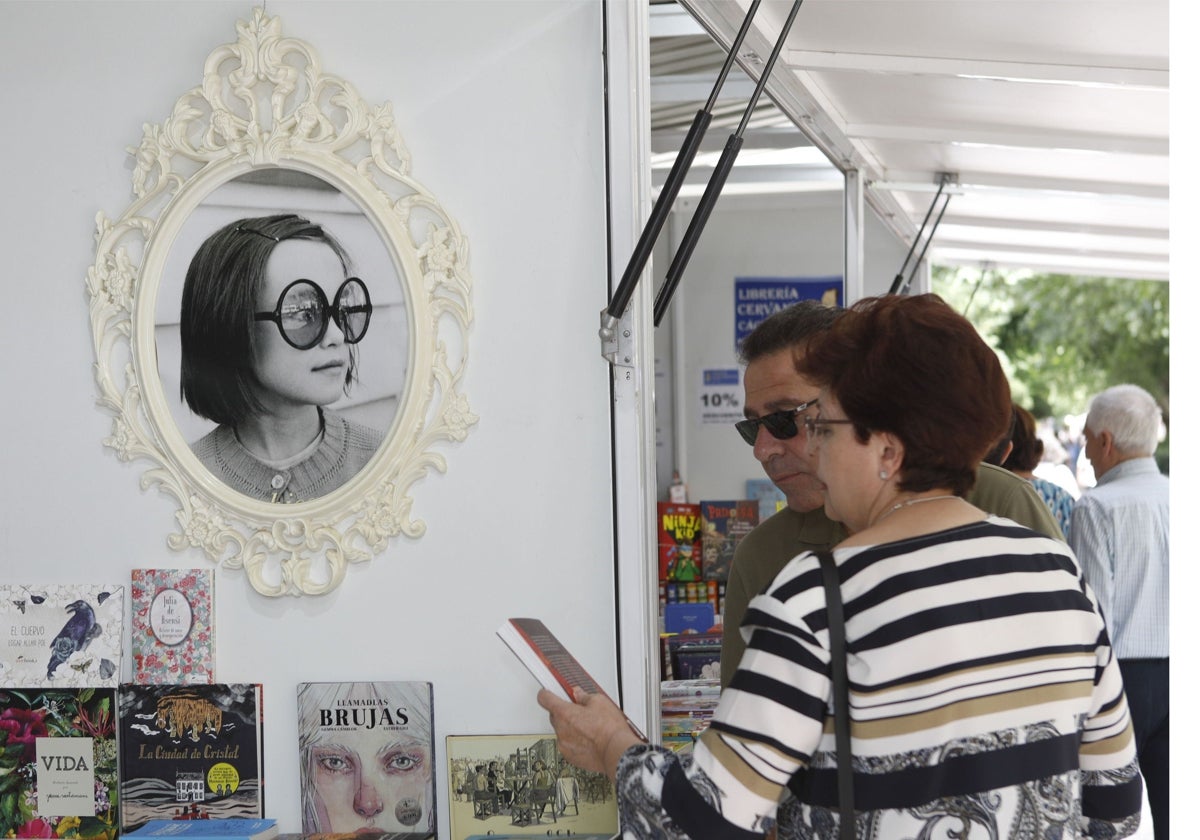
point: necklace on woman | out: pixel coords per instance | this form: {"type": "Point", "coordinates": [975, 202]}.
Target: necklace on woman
{"type": "Point", "coordinates": [908, 502]}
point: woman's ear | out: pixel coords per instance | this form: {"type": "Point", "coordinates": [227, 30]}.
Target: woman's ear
{"type": "Point", "coordinates": [891, 453]}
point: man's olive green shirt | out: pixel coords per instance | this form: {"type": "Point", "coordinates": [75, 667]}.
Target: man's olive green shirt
{"type": "Point", "coordinates": [766, 550]}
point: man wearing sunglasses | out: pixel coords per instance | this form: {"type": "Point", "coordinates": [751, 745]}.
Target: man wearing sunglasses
{"type": "Point", "coordinates": [776, 401]}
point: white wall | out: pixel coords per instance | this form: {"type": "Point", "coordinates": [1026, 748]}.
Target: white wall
{"type": "Point", "coordinates": [500, 105]}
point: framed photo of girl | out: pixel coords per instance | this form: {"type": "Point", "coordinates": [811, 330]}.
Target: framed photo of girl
{"type": "Point", "coordinates": [281, 330]}
{"type": "Point", "coordinates": [280, 318]}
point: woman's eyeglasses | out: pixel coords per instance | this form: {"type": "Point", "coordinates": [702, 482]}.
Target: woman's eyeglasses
{"type": "Point", "coordinates": [781, 424]}
{"type": "Point", "coordinates": [303, 312]}
{"type": "Point", "coordinates": [813, 424]}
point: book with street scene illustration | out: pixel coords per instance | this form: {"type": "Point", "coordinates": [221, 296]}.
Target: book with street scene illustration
{"type": "Point", "coordinates": [58, 763]}
{"type": "Point", "coordinates": [190, 752]}
{"type": "Point", "coordinates": [61, 635]}
{"type": "Point", "coordinates": [521, 787]}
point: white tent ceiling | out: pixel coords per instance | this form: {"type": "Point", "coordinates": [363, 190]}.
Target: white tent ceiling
{"type": "Point", "coordinates": [1048, 119]}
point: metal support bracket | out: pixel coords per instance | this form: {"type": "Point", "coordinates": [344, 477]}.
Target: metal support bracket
{"type": "Point", "coordinates": [616, 340]}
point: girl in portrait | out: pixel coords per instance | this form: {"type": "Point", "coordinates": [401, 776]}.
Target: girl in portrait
{"type": "Point", "coordinates": [374, 777]}
{"type": "Point", "coordinates": [270, 324]}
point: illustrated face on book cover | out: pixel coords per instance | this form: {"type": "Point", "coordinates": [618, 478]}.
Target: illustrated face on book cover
{"type": "Point", "coordinates": [376, 775]}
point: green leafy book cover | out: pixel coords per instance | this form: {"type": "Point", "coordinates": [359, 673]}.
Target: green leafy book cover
{"type": "Point", "coordinates": [58, 763]}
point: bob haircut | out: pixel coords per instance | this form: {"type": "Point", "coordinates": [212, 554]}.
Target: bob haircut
{"type": "Point", "coordinates": [915, 368]}
{"type": "Point", "coordinates": [1027, 446]}
{"type": "Point", "coordinates": [216, 320]}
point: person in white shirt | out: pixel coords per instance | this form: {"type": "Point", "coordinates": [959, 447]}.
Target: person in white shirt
{"type": "Point", "coordinates": [1120, 532]}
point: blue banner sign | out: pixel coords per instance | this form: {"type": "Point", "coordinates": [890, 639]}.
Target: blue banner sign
{"type": "Point", "coordinates": [755, 298]}
{"type": "Point", "coordinates": [721, 376]}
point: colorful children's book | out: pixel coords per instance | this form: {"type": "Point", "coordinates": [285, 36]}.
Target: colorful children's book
{"type": "Point", "coordinates": [190, 752]}
{"type": "Point", "coordinates": [678, 542]}
{"type": "Point", "coordinates": [61, 635]}
{"type": "Point", "coordinates": [172, 618]}
{"type": "Point", "coordinates": [770, 498]}
{"type": "Point", "coordinates": [724, 524]}
{"type": "Point", "coordinates": [379, 732]}
{"type": "Point", "coordinates": [58, 763]}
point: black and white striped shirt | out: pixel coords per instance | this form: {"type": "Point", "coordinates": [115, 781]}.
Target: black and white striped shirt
{"type": "Point", "coordinates": [984, 696]}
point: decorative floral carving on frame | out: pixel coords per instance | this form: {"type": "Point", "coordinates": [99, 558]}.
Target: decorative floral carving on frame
{"type": "Point", "coordinates": [266, 108]}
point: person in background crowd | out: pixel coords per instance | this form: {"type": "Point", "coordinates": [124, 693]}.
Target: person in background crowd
{"type": "Point", "coordinates": [999, 452]}
{"type": "Point", "coordinates": [984, 695]}
{"type": "Point", "coordinates": [1024, 456]}
{"type": "Point", "coordinates": [1120, 531]}
{"type": "Point", "coordinates": [776, 396]}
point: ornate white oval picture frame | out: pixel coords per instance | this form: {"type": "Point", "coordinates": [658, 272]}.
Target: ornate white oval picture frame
{"type": "Point", "coordinates": [268, 131]}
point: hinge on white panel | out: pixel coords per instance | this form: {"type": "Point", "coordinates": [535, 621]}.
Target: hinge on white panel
{"type": "Point", "coordinates": [616, 340]}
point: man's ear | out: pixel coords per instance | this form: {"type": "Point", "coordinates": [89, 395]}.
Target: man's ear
{"type": "Point", "coordinates": [1107, 445]}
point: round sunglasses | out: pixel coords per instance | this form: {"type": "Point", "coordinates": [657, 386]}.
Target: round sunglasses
{"type": "Point", "coordinates": [303, 312]}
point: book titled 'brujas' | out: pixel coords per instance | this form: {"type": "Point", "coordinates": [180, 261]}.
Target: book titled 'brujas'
{"type": "Point", "coordinates": [367, 762]}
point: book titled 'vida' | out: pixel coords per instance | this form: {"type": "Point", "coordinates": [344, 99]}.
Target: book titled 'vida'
{"type": "Point", "coordinates": [58, 763]}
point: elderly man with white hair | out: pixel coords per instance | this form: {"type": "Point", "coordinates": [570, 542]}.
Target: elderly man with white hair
{"type": "Point", "coordinates": [1119, 531]}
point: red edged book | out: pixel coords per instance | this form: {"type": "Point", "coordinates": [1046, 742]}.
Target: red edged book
{"type": "Point", "coordinates": [679, 542]}
{"type": "Point", "coordinates": [550, 663]}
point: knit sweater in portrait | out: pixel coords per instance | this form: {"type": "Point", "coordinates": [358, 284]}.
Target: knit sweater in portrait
{"type": "Point", "coordinates": [344, 450]}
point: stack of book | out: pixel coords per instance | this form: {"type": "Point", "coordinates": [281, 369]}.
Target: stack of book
{"type": "Point", "coordinates": [687, 708]}
{"type": "Point", "coordinates": [60, 663]}
{"type": "Point", "coordinates": [695, 549]}
{"type": "Point", "coordinates": [692, 656]}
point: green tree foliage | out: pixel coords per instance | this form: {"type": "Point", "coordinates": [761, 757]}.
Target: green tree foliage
{"type": "Point", "coordinates": [1064, 338]}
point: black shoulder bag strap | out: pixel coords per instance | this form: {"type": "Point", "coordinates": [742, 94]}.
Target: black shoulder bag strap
{"type": "Point", "coordinates": [841, 693]}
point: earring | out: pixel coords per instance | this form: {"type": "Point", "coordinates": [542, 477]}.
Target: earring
{"type": "Point", "coordinates": [883, 474]}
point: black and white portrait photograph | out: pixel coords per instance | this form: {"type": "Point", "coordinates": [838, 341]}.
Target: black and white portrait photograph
{"type": "Point", "coordinates": [282, 336]}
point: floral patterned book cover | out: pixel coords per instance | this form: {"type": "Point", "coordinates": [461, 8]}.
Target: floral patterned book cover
{"type": "Point", "coordinates": [61, 635]}
{"type": "Point", "coordinates": [58, 763]}
{"type": "Point", "coordinates": [172, 623]}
